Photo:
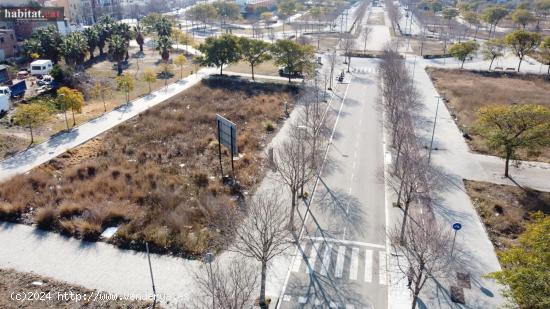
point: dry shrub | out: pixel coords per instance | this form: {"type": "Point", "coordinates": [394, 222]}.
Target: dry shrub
{"type": "Point", "coordinates": [132, 177]}
{"type": "Point", "coordinates": [46, 218]}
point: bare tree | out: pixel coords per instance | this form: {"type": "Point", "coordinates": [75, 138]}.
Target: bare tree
{"type": "Point", "coordinates": [348, 42]}
{"type": "Point", "coordinates": [332, 62]}
{"type": "Point", "coordinates": [292, 161]}
{"type": "Point", "coordinates": [365, 37]}
{"type": "Point", "coordinates": [228, 285]}
{"type": "Point", "coordinates": [263, 235]}
{"type": "Point", "coordinates": [426, 253]}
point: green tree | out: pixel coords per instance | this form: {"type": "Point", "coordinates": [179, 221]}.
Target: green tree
{"type": "Point", "coordinates": [150, 21]}
{"type": "Point", "coordinates": [449, 13]}
{"type": "Point", "coordinates": [31, 116]}
{"type": "Point", "coordinates": [254, 52]}
{"type": "Point", "coordinates": [472, 18]}
{"type": "Point", "coordinates": [542, 10]}
{"type": "Point", "coordinates": [492, 49]}
{"type": "Point", "coordinates": [227, 11]}
{"type": "Point", "coordinates": [526, 265]}
{"type": "Point", "coordinates": [545, 52]}
{"type": "Point", "coordinates": [164, 45]}
{"type": "Point", "coordinates": [126, 84]}
{"type": "Point", "coordinates": [72, 99]}
{"type": "Point", "coordinates": [118, 47]}
{"type": "Point", "coordinates": [180, 61]}
{"type": "Point", "coordinates": [462, 51]}
{"type": "Point", "coordinates": [32, 47]}
{"type": "Point", "coordinates": [508, 128]}
{"type": "Point", "coordinates": [140, 40]}
{"type": "Point", "coordinates": [285, 9]}
{"type": "Point", "coordinates": [522, 43]}
{"type": "Point", "coordinates": [493, 15]}
{"type": "Point", "coordinates": [46, 42]}
{"type": "Point", "coordinates": [201, 12]}
{"type": "Point", "coordinates": [150, 77]}
{"type": "Point", "coordinates": [293, 56]}
{"type": "Point", "coordinates": [522, 17]}
{"type": "Point", "coordinates": [74, 48]}
{"type": "Point", "coordinates": [163, 26]}
{"type": "Point", "coordinates": [220, 51]}
{"type": "Point", "coordinates": [104, 29]}
{"type": "Point", "coordinates": [92, 39]}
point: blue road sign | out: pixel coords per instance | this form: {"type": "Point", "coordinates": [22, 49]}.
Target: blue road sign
{"type": "Point", "coordinates": [457, 226]}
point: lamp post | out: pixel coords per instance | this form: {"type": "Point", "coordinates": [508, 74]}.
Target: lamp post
{"type": "Point", "coordinates": [208, 258]}
{"type": "Point", "coordinates": [433, 130]}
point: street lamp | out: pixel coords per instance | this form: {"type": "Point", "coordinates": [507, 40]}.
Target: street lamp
{"type": "Point", "coordinates": [433, 130]}
{"type": "Point", "coordinates": [208, 258]}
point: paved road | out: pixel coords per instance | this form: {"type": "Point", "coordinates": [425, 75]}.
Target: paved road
{"type": "Point", "coordinates": [341, 259]}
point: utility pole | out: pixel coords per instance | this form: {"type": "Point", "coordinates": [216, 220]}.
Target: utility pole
{"type": "Point", "coordinates": [433, 130]}
{"type": "Point", "coordinates": [151, 273]}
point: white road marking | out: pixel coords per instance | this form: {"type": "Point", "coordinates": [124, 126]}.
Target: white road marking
{"type": "Point", "coordinates": [382, 267]}
{"type": "Point", "coordinates": [368, 265]}
{"type": "Point", "coordinates": [340, 262]}
{"type": "Point", "coordinates": [345, 242]}
{"type": "Point", "coordinates": [354, 267]}
{"type": "Point", "coordinates": [312, 258]}
{"type": "Point", "coordinates": [348, 306]}
{"type": "Point", "coordinates": [326, 259]}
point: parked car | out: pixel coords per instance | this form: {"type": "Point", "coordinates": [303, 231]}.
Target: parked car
{"type": "Point", "coordinates": [284, 72]}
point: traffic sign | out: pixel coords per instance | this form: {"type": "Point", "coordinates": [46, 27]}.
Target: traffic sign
{"type": "Point", "coordinates": [457, 226]}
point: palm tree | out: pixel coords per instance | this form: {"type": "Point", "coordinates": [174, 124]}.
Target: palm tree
{"type": "Point", "coordinates": [164, 44]}
{"type": "Point", "coordinates": [118, 47]}
{"type": "Point", "coordinates": [104, 29]}
{"type": "Point", "coordinates": [74, 48]}
{"type": "Point", "coordinates": [124, 31]}
{"type": "Point", "coordinates": [92, 38]}
{"type": "Point", "coordinates": [139, 38]}
{"type": "Point", "coordinates": [163, 27]}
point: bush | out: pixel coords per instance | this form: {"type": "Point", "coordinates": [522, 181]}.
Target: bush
{"type": "Point", "coordinates": [45, 218]}
{"type": "Point", "coordinates": [10, 212]}
{"type": "Point", "coordinates": [68, 210]}
{"type": "Point", "coordinates": [268, 126]}
{"type": "Point", "coordinates": [57, 73]}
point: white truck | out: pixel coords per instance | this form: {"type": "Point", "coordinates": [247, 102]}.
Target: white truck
{"type": "Point", "coordinates": [5, 94]}
{"type": "Point", "coordinates": [41, 67]}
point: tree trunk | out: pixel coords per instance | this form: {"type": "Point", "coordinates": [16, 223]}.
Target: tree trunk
{"type": "Point", "coordinates": [491, 64]}
{"type": "Point", "coordinates": [349, 62]}
{"type": "Point", "coordinates": [404, 223]}
{"type": "Point", "coordinates": [141, 48]}
{"type": "Point", "coordinates": [263, 305]}
{"type": "Point", "coordinates": [292, 209]}
{"type": "Point", "coordinates": [507, 164]}
{"type": "Point", "coordinates": [119, 68]}
{"type": "Point", "coordinates": [252, 68]}
{"type": "Point", "coordinates": [32, 135]}
{"type": "Point", "coordinates": [462, 66]}
{"type": "Point", "coordinates": [74, 120]}
{"type": "Point", "coordinates": [221, 69]}
{"type": "Point", "coordinates": [519, 64]}
{"type": "Point", "coordinates": [66, 121]}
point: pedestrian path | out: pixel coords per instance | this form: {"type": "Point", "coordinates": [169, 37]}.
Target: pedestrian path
{"type": "Point", "coordinates": [342, 260]}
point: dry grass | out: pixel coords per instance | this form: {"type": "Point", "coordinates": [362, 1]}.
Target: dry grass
{"type": "Point", "coordinates": [431, 46]}
{"type": "Point", "coordinates": [467, 91]}
{"type": "Point", "coordinates": [156, 175]}
{"type": "Point", "coordinates": [9, 144]}
{"type": "Point", "coordinates": [266, 68]}
{"type": "Point", "coordinates": [505, 209]}
{"type": "Point", "coordinates": [12, 281]}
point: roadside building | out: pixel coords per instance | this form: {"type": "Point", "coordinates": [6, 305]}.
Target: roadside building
{"type": "Point", "coordinates": [8, 43]}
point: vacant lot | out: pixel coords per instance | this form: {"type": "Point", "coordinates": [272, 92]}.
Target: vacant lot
{"type": "Point", "coordinates": [156, 176]}
{"type": "Point", "coordinates": [505, 209]}
{"type": "Point", "coordinates": [467, 91]}
{"type": "Point", "coordinates": [100, 70]}
{"type": "Point", "coordinates": [51, 293]}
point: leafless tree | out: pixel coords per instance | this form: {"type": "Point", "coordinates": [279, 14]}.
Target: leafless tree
{"type": "Point", "coordinates": [292, 161]}
{"type": "Point", "coordinates": [348, 42]}
{"type": "Point", "coordinates": [425, 251]}
{"type": "Point", "coordinates": [365, 34]}
{"type": "Point", "coordinates": [263, 235]}
{"type": "Point", "coordinates": [229, 285]}
{"type": "Point", "coordinates": [394, 13]}
{"type": "Point", "coordinates": [332, 62]}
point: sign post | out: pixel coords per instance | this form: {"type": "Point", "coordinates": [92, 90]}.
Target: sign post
{"type": "Point", "coordinates": [457, 226]}
{"type": "Point", "coordinates": [227, 136]}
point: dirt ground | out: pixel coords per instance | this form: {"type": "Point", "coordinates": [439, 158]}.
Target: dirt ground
{"type": "Point", "coordinates": [467, 91]}
{"type": "Point", "coordinates": [266, 68]}
{"type": "Point", "coordinates": [156, 176]}
{"type": "Point", "coordinates": [505, 209]}
{"type": "Point", "coordinates": [104, 70]}
{"type": "Point", "coordinates": [376, 19]}
{"type": "Point", "coordinates": [431, 47]}
{"type": "Point", "coordinates": [28, 290]}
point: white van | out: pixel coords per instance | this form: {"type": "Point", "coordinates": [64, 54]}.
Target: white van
{"type": "Point", "coordinates": [41, 67]}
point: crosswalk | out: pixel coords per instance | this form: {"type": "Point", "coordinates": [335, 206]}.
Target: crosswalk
{"type": "Point", "coordinates": [363, 70]}
{"type": "Point", "coordinates": [347, 261]}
